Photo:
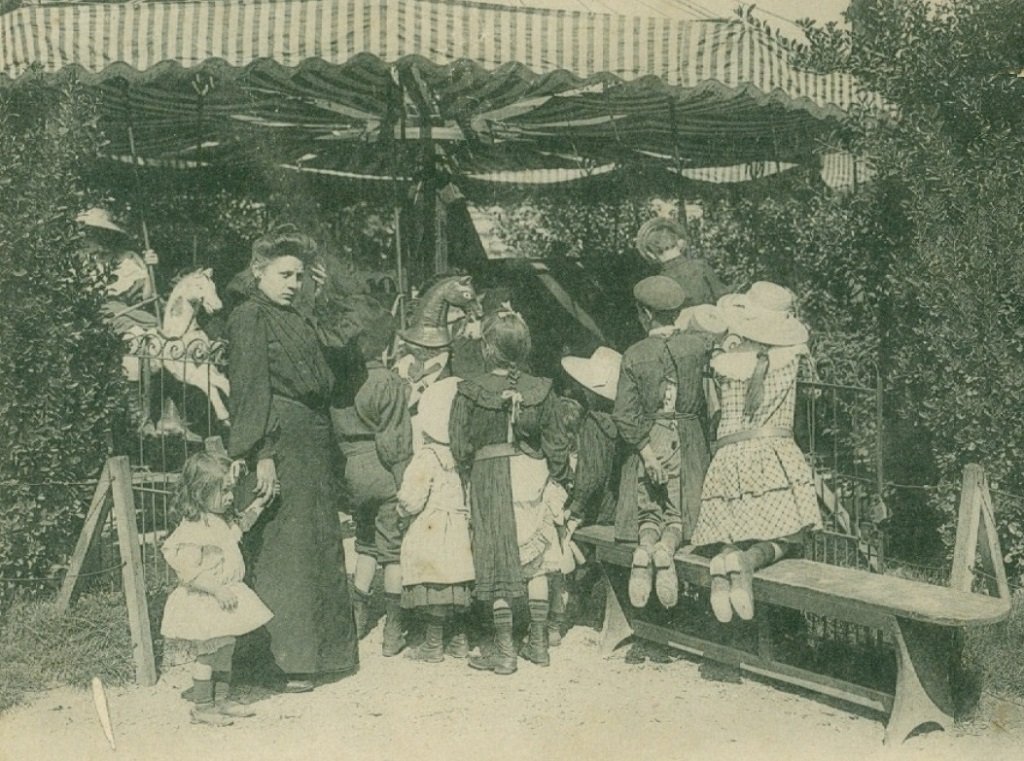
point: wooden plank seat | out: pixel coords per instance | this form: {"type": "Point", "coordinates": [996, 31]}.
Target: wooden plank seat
{"type": "Point", "coordinates": [920, 620]}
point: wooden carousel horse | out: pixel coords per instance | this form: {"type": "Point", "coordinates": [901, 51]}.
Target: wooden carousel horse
{"type": "Point", "coordinates": [423, 355]}
{"type": "Point", "coordinates": [181, 347]}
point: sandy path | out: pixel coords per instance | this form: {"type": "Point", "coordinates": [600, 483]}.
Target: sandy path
{"type": "Point", "coordinates": [581, 707]}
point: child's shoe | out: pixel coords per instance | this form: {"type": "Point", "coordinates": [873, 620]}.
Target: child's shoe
{"type": "Point", "coordinates": [741, 584]}
{"type": "Point", "coordinates": [458, 646]}
{"type": "Point", "coordinates": [535, 649]}
{"type": "Point", "coordinates": [666, 583]}
{"type": "Point", "coordinates": [720, 604]}
{"type": "Point", "coordinates": [227, 706]}
{"type": "Point", "coordinates": [394, 635]}
{"type": "Point", "coordinates": [640, 578]}
{"type": "Point", "coordinates": [209, 713]}
{"type": "Point", "coordinates": [431, 650]}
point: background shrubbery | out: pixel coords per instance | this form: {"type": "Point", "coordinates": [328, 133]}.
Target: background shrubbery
{"type": "Point", "coordinates": [61, 387]}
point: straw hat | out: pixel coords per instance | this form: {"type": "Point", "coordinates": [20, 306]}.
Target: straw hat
{"type": "Point", "coordinates": [765, 313]}
{"type": "Point", "coordinates": [599, 372]}
{"type": "Point", "coordinates": [99, 218]}
{"type": "Point", "coordinates": [435, 408]}
{"type": "Point", "coordinates": [659, 224]}
{"type": "Point", "coordinates": [706, 318]}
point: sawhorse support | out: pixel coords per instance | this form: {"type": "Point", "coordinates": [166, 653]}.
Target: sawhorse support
{"type": "Point", "coordinates": [114, 491]}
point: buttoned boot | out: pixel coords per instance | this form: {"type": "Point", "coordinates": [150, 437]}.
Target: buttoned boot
{"type": "Point", "coordinates": [535, 648]}
{"type": "Point", "coordinates": [502, 656]}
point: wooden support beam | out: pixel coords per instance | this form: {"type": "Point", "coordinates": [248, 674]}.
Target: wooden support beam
{"type": "Point", "coordinates": [976, 531]}
{"type": "Point", "coordinates": [97, 513]}
{"type": "Point", "coordinates": [132, 570]}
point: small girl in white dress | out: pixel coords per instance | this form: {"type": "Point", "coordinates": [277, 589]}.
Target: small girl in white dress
{"type": "Point", "coordinates": [212, 605]}
{"type": "Point", "coordinates": [437, 561]}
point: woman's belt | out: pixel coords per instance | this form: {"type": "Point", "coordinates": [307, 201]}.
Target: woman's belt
{"type": "Point", "coordinates": [766, 432]}
{"type": "Point", "coordinates": [673, 416]}
{"type": "Point", "coordinates": [312, 403]}
{"type": "Point", "coordinates": [493, 451]}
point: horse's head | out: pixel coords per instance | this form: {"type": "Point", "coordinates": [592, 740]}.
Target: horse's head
{"type": "Point", "coordinates": [459, 292]}
{"type": "Point", "coordinates": [199, 289]}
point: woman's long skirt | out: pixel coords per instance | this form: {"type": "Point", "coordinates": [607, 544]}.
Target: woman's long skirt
{"type": "Point", "coordinates": [296, 560]}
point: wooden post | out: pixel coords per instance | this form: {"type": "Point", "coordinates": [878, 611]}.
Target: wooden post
{"type": "Point", "coordinates": [976, 516]}
{"type": "Point", "coordinates": [132, 570]}
{"type": "Point", "coordinates": [440, 234]}
{"type": "Point", "coordinates": [98, 509]}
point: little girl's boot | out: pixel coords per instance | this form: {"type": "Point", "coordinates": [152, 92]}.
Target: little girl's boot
{"type": "Point", "coordinates": [431, 650]}
{"type": "Point", "coordinates": [501, 656]}
{"type": "Point", "coordinates": [556, 622]}
{"type": "Point", "coordinates": [458, 645]}
{"type": "Point", "coordinates": [536, 647]}
{"type": "Point", "coordinates": [205, 710]}
{"type": "Point", "coordinates": [222, 697]}
{"type": "Point", "coordinates": [394, 635]}
{"type": "Point", "coordinates": [361, 610]}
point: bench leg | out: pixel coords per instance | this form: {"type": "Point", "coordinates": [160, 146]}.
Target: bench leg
{"type": "Point", "coordinates": [923, 695]}
{"type": "Point", "coordinates": [616, 628]}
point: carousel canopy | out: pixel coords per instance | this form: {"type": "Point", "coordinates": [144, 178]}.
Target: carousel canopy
{"type": "Point", "coordinates": [357, 87]}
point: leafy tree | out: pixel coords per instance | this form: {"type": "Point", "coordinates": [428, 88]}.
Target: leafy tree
{"type": "Point", "coordinates": [953, 150]}
{"type": "Point", "coordinates": [61, 385]}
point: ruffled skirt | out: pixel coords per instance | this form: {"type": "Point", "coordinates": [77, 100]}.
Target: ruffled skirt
{"type": "Point", "coordinates": [197, 616]}
{"type": "Point", "coordinates": [759, 489]}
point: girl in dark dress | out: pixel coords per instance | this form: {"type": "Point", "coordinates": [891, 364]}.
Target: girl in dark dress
{"type": "Point", "coordinates": [280, 390]}
{"type": "Point", "coordinates": [511, 450]}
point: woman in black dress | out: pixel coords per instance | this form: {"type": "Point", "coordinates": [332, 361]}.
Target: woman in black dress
{"type": "Point", "coordinates": [280, 392]}
{"type": "Point", "coordinates": [506, 438]}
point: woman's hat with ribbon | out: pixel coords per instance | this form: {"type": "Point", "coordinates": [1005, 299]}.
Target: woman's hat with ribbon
{"type": "Point", "coordinates": [435, 408]}
{"type": "Point", "coordinates": [99, 218]}
{"type": "Point", "coordinates": [766, 313]}
{"type": "Point", "coordinates": [599, 372]}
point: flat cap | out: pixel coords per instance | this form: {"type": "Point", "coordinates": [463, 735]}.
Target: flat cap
{"type": "Point", "coordinates": [660, 293]}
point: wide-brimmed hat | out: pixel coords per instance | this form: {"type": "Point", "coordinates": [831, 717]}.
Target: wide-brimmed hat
{"type": "Point", "coordinates": [435, 408]}
{"type": "Point", "coordinates": [599, 372]}
{"type": "Point", "coordinates": [765, 313]}
{"type": "Point", "coordinates": [99, 218]}
{"type": "Point", "coordinates": [644, 235]}
{"type": "Point", "coordinates": [706, 318]}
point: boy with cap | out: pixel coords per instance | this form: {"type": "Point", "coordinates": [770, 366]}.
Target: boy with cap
{"type": "Point", "coordinates": [661, 415]}
{"type": "Point", "coordinates": [663, 241]}
{"type": "Point", "coordinates": [375, 436]}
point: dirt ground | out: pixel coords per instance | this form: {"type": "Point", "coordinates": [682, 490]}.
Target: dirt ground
{"type": "Point", "coordinates": [583, 706]}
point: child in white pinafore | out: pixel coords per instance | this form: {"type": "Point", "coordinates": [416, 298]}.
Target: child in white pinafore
{"type": "Point", "coordinates": [437, 562]}
{"type": "Point", "coordinates": [212, 605]}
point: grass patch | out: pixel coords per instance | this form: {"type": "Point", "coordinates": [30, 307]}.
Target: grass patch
{"type": "Point", "coordinates": [40, 649]}
{"type": "Point", "coordinates": [995, 653]}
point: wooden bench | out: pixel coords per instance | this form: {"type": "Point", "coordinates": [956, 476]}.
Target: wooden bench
{"type": "Point", "coordinates": [921, 620]}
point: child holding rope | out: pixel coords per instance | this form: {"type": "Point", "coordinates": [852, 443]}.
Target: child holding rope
{"type": "Point", "coordinates": [212, 606]}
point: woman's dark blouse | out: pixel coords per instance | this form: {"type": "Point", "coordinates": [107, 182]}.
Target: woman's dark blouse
{"type": "Point", "coordinates": [273, 351]}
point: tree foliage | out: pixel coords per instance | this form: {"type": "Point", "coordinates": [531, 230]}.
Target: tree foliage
{"type": "Point", "coordinates": [60, 376]}
{"type": "Point", "coordinates": [953, 149]}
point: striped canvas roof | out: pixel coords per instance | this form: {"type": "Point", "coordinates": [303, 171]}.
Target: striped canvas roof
{"type": "Point", "coordinates": [107, 39]}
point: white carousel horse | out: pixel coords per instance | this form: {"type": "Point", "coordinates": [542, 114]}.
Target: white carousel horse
{"type": "Point", "coordinates": [180, 346]}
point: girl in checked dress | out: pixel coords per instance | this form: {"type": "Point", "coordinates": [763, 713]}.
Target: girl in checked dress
{"type": "Point", "coordinates": [758, 495]}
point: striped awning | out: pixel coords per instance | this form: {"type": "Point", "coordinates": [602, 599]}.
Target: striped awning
{"type": "Point", "coordinates": [106, 39]}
